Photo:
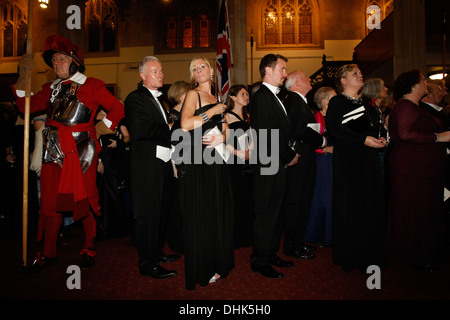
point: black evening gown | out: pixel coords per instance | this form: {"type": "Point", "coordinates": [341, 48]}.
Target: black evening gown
{"type": "Point", "coordinates": [359, 216]}
{"type": "Point", "coordinates": [241, 174]}
{"type": "Point", "coordinates": [207, 210]}
{"type": "Point", "coordinates": [175, 224]}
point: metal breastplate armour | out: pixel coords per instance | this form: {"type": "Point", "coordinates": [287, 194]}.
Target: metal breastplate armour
{"type": "Point", "coordinates": [69, 111]}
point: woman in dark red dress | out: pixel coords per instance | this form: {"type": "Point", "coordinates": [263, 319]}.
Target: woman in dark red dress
{"type": "Point", "coordinates": [417, 173]}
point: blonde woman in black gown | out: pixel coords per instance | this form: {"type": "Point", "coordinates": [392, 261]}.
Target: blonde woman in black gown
{"type": "Point", "coordinates": [205, 189]}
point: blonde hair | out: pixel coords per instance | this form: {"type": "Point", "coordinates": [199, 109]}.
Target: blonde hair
{"type": "Point", "coordinates": [191, 66]}
{"type": "Point", "coordinates": [176, 90]}
{"type": "Point", "coordinates": [342, 73]}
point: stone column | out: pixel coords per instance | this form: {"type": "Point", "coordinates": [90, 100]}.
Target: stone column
{"type": "Point", "coordinates": [237, 15]}
{"type": "Point", "coordinates": [409, 36]}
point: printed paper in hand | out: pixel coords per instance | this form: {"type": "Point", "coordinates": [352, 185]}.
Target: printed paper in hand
{"type": "Point", "coordinates": [221, 148]}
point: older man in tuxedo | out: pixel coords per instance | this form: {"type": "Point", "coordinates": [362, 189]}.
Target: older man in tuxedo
{"type": "Point", "coordinates": [436, 91]}
{"type": "Point", "coordinates": [300, 180]}
{"type": "Point", "coordinates": [433, 101]}
{"type": "Point", "coordinates": [151, 171]}
{"type": "Point", "coordinates": [268, 113]}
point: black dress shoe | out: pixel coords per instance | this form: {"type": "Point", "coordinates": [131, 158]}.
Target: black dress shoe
{"type": "Point", "coordinates": [300, 254]}
{"type": "Point", "coordinates": [158, 272]}
{"type": "Point", "coordinates": [267, 271]}
{"type": "Point", "coordinates": [168, 258]}
{"type": "Point", "coordinates": [41, 262]}
{"type": "Point", "coordinates": [87, 258]}
{"type": "Point", "coordinates": [277, 262]}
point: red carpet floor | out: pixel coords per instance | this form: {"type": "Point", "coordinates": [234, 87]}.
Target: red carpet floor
{"type": "Point", "coordinates": [115, 276]}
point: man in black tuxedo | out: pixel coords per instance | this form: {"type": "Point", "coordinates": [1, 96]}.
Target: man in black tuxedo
{"type": "Point", "coordinates": [433, 100]}
{"type": "Point", "coordinates": [268, 113]}
{"type": "Point", "coordinates": [301, 177]}
{"type": "Point", "coordinates": [436, 91]}
{"type": "Point", "coordinates": [151, 171]}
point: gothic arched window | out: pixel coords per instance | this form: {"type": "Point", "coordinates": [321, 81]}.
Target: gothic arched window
{"type": "Point", "coordinates": [287, 25]}
{"type": "Point", "coordinates": [172, 33]}
{"type": "Point", "coordinates": [288, 22]}
{"type": "Point", "coordinates": [270, 25]}
{"type": "Point", "coordinates": [195, 32]}
{"type": "Point", "coordinates": [101, 26]}
{"type": "Point", "coordinates": [186, 26]}
{"type": "Point", "coordinates": [13, 23]}
{"type": "Point", "coordinates": [305, 23]}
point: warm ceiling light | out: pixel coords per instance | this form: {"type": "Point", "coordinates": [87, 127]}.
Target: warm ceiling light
{"type": "Point", "coordinates": [437, 76]}
{"type": "Point", "coordinates": [43, 3]}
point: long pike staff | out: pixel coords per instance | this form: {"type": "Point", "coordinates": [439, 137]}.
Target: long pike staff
{"type": "Point", "coordinates": [26, 135]}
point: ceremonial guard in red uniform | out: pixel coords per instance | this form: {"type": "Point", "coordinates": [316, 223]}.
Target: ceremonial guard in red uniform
{"type": "Point", "coordinates": [68, 175]}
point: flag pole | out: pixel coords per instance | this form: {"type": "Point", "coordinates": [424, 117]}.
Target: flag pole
{"type": "Point", "coordinates": [251, 58]}
{"type": "Point", "coordinates": [26, 136]}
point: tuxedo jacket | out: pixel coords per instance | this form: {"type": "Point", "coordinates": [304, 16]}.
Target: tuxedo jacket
{"type": "Point", "coordinates": [266, 112]}
{"type": "Point", "coordinates": [148, 129]}
{"type": "Point", "coordinates": [300, 115]}
{"type": "Point", "coordinates": [438, 114]}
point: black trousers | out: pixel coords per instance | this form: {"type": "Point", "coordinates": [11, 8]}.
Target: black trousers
{"type": "Point", "coordinates": [151, 228]}
{"type": "Point", "coordinates": [300, 182]}
{"type": "Point", "coordinates": [268, 198]}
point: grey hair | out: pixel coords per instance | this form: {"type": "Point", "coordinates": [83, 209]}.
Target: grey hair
{"type": "Point", "coordinates": [144, 62]}
{"type": "Point", "coordinates": [372, 88]}
{"type": "Point", "coordinates": [322, 93]}
{"type": "Point", "coordinates": [290, 80]}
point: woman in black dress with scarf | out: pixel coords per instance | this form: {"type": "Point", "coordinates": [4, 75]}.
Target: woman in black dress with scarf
{"type": "Point", "coordinates": [359, 216]}
{"type": "Point", "coordinates": [240, 145]}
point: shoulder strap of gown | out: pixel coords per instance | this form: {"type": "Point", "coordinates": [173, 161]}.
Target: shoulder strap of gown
{"type": "Point", "coordinates": [235, 115]}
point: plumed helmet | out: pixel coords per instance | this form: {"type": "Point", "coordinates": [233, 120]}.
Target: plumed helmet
{"type": "Point", "coordinates": [57, 44]}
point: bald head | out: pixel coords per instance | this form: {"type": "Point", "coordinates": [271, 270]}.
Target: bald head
{"type": "Point", "coordinates": [435, 93]}
{"type": "Point", "coordinates": [298, 81]}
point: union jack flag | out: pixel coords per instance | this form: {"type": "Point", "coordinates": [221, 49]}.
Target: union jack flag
{"type": "Point", "coordinates": [223, 59]}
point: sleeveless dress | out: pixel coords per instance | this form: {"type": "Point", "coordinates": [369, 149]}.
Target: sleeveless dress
{"type": "Point", "coordinates": [242, 184]}
{"type": "Point", "coordinates": [207, 211]}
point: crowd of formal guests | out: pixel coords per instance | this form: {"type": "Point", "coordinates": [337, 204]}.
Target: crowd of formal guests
{"type": "Point", "coordinates": [357, 166]}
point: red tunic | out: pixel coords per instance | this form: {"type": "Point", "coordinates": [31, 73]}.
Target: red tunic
{"type": "Point", "coordinates": [68, 189]}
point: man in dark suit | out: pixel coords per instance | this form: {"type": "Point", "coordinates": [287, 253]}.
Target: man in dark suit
{"type": "Point", "coordinates": [269, 116]}
{"type": "Point", "coordinates": [433, 100]}
{"type": "Point", "coordinates": [151, 171]}
{"type": "Point", "coordinates": [436, 91]}
{"type": "Point", "coordinates": [301, 177]}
